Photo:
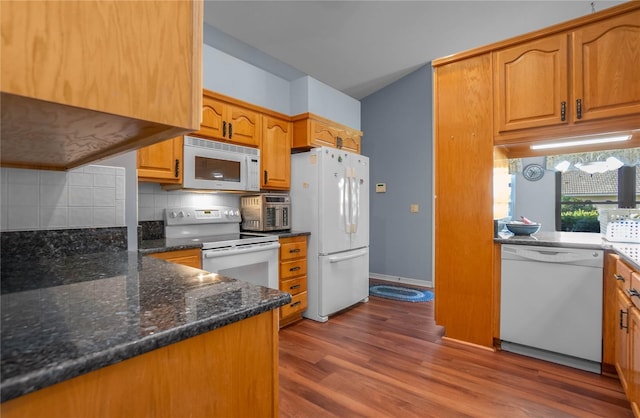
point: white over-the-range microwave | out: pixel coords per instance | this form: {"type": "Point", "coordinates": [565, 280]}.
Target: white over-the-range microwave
{"type": "Point", "coordinates": [213, 165]}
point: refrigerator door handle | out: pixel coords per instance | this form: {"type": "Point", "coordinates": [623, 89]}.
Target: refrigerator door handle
{"type": "Point", "coordinates": [345, 201]}
{"type": "Point", "coordinates": [355, 203]}
{"type": "Point", "coordinates": [347, 257]}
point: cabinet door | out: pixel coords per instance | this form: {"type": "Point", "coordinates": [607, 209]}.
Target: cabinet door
{"type": "Point", "coordinates": [531, 84]}
{"type": "Point", "coordinates": [634, 360]}
{"type": "Point", "coordinates": [275, 154]}
{"type": "Point", "coordinates": [622, 340]}
{"type": "Point", "coordinates": [190, 257]}
{"type": "Point", "coordinates": [213, 125]}
{"type": "Point", "coordinates": [351, 141]}
{"type": "Point", "coordinates": [606, 65]}
{"type": "Point", "coordinates": [243, 126]}
{"type": "Point", "coordinates": [161, 162]}
{"type": "Point", "coordinates": [322, 135]}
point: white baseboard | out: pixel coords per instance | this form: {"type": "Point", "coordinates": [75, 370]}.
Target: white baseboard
{"type": "Point", "coordinates": [405, 280]}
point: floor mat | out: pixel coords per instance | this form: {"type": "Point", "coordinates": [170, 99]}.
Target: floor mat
{"type": "Point", "coordinates": [402, 293]}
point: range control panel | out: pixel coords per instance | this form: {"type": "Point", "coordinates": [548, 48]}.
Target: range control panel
{"type": "Point", "coordinates": [214, 214]}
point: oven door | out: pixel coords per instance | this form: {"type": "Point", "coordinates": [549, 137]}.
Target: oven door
{"type": "Point", "coordinates": [255, 263]}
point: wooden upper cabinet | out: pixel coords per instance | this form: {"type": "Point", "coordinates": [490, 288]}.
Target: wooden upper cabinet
{"type": "Point", "coordinates": [574, 79]}
{"type": "Point", "coordinates": [351, 140]}
{"type": "Point", "coordinates": [84, 80]}
{"type": "Point", "coordinates": [230, 122]}
{"type": "Point", "coordinates": [311, 131]}
{"type": "Point", "coordinates": [531, 84]}
{"type": "Point", "coordinates": [275, 154]}
{"type": "Point", "coordinates": [161, 162]}
{"type": "Point", "coordinates": [606, 67]}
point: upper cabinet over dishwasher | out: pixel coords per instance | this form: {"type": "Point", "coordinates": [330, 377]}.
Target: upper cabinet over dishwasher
{"type": "Point", "coordinates": [85, 80]}
{"type": "Point", "coordinates": [577, 78]}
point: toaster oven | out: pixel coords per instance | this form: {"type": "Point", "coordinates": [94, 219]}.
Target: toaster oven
{"type": "Point", "coordinates": [266, 212]}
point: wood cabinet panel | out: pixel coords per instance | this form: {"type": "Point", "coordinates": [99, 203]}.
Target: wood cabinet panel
{"type": "Point", "coordinates": [275, 154]}
{"type": "Point", "coordinates": [310, 131]}
{"type": "Point", "coordinates": [609, 313]}
{"type": "Point", "coordinates": [228, 372]}
{"type": "Point", "coordinates": [230, 122]}
{"type": "Point", "coordinates": [622, 339]}
{"type": "Point", "coordinates": [297, 305]}
{"type": "Point", "coordinates": [623, 274]}
{"type": "Point", "coordinates": [84, 80]}
{"type": "Point", "coordinates": [579, 81]}
{"type": "Point", "coordinates": [294, 286]}
{"type": "Point", "coordinates": [634, 361]}
{"type": "Point", "coordinates": [293, 277]}
{"type": "Point", "coordinates": [161, 162]}
{"type": "Point", "coordinates": [292, 249]}
{"type": "Point", "coordinates": [464, 261]}
{"type": "Point", "coordinates": [190, 257]}
{"type": "Point", "coordinates": [531, 84]}
{"type": "Point", "coordinates": [606, 67]}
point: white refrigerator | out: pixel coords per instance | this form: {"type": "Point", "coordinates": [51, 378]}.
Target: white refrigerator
{"type": "Point", "coordinates": [330, 198]}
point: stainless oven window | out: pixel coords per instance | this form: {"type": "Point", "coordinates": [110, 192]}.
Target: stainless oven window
{"type": "Point", "coordinates": [217, 170]}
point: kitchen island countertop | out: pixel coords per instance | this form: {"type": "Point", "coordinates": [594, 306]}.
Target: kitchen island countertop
{"type": "Point", "coordinates": [67, 316]}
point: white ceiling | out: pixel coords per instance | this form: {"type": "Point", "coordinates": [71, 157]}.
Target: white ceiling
{"type": "Point", "coordinates": [358, 47]}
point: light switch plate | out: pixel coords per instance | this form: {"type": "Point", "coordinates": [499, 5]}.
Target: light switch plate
{"type": "Point", "coordinates": [414, 208]}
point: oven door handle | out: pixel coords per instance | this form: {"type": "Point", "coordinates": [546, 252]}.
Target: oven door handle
{"type": "Point", "coordinates": [241, 250]}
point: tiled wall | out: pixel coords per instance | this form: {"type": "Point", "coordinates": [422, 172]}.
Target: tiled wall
{"type": "Point", "coordinates": [87, 197]}
{"type": "Point", "coordinates": [152, 200]}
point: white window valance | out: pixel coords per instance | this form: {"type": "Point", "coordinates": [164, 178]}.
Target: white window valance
{"type": "Point", "coordinates": [628, 156]}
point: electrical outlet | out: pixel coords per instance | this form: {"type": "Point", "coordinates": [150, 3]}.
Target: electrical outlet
{"type": "Point", "coordinates": [415, 208]}
{"type": "Point", "coordinates": [381, 187]}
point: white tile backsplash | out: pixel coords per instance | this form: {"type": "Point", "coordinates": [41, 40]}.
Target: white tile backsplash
{"type": "Point", "coordinates": [86, 197]}
{"type": "Point", "coordinates": [153, 200]}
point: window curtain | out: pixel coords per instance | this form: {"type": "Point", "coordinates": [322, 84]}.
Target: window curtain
{"type": "Point", "coordinates": [629, 156]}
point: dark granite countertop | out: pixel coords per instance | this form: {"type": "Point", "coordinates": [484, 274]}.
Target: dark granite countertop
{"type": "Point", "coordinates": [70, 315]}
{"type": "Point", "coordinates": [628, 251]}
{"type": "Point", "coordinates": [173, 244]}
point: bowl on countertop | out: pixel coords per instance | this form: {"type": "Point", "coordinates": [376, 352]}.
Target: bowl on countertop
{"type": "Point", "coordinates": [523, 229]}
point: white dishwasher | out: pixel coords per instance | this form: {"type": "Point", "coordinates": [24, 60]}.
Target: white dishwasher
{"type": "Point", "coordinates": [551, 304]}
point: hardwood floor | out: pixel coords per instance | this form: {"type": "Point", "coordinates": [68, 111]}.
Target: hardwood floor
{"type": "Point", "coordinates": [386, 359]}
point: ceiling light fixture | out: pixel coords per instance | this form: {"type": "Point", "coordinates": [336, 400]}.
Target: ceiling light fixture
{"type": "Point", "coordinates": [592, 141]}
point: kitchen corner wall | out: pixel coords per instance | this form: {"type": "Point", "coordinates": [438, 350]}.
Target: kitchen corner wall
{"type": "Point", "coordinates": [397, 126]}
{"type": "Point", "coordinates": [88, 197]}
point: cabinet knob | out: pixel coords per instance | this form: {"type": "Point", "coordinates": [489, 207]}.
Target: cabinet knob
{"type": "Point", "coordinates": [619, 277]}
{"type": "Point", "coordinates": [563, 111]}
{"type": "Point", "coordinates": [224, 128]}
{"type": "Point", "coordinates": [230, 130]}
{"type": "Point", "coordinates": [296, 268]}
{"type": "Point", "coordinates": [294, 250]}
{"type": "Point", "coordinates": [177, 169]}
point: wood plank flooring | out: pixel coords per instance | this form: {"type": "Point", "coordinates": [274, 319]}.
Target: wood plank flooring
{"type": "Point", "coordinates": [386, 359]}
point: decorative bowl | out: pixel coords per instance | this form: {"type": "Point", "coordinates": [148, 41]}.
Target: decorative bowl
{"type": "Point", "coordinates": [523, 229]}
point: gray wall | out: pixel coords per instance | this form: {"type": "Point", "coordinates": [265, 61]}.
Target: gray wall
{"type": "Point", "coordinates": [397, 126]}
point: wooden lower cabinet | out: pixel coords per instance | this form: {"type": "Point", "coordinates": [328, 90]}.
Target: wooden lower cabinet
{"type": "Point", "coordinates": [621, 342]}
{"type": "Point", "coordinates": [228, 372]}
{"type": "Point", "coordinates": [293, 277]}
{"type": "Point", "coordinates": [191, 257]}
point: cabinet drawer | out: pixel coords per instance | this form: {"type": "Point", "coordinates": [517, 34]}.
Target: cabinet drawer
{"type": "Point", "coordinates": [294, 286]}
{"type": "Point", "coordinates": [293, 249]}
{"type": "Point", "coordinates": [634, 289]}
{"type": "Point", "coordinates": [190, 257]}
{"type": "Point", "coordinates": [293, 268]}
{"type": "Point", "coordinates": [623, 275]}
{"type": "Point", "coordinates": [298, 304]}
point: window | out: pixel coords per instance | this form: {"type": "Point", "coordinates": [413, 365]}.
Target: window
{"type": "Point", "coordinates": [580, 195]}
